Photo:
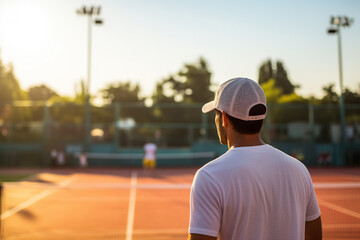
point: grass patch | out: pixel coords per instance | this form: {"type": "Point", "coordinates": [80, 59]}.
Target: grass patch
{"type": "Point", "coordinates": [13, 177]}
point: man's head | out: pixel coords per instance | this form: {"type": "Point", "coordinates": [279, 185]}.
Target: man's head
{"type": "Point", "coordinates": [244, 103]}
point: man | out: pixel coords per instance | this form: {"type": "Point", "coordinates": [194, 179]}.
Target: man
{"type": "Point", "coordinates": [149, 160]}
{"type": "Point", "coordinates": [253, 191]}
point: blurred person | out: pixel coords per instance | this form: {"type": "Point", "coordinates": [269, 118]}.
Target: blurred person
{"type": "Point", "coordinates": [53, 157]}
{"type": "Point", "coordinates": [149, 161]}
{"type": "Point", "coordinates": [60, 158]}
{"type": "Point", "coordinates": [253, 191]}
{"type": "Point", "coordinates": [83, 160]}
{"type": "Point", "coordinates": [324, 159]}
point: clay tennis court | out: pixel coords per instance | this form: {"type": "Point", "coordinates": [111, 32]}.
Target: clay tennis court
{"type": "Point", "coordinates": [132, 204]}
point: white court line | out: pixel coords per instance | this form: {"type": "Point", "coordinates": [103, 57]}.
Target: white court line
{"type": "Point", "coordinates": [131, 212]}
{"type": "Point", "coordinates": [339, 209]}
{"type": "Point", "coordinates": [34, 199]}
{"type": "Point", "coordinates": [160, 231]}
{"type": "Point", "coordinates": [336, 185]}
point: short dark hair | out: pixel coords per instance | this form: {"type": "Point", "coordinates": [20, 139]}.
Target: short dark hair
{"type": "Point", "coordinates": [247, 127]}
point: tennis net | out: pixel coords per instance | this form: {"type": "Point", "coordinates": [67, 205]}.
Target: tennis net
{"type": "Point", "coordinates": [135, 159]}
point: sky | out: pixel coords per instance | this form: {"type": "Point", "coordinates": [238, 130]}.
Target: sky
{"type": "Point", "coordinates": [146, 41]}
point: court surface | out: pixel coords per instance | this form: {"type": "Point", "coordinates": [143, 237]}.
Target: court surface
{"type": "Point", "coordinates": [131, 204]}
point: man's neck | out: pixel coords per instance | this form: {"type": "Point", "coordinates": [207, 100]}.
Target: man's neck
{"type": "Point", "coordinates": [235, 139]}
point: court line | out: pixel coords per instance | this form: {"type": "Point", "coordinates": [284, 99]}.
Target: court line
{"type": "Point", "coordinates": [341, 226]}
{"type": "Point", "coordinates": [35, 199]}
{"type": "Point", "coordinates": [339, 209]}
{"type": "Point", "coordinates": [335, 185]}
{"type": "Point", "coordinates": [131, 211]}
{"type": "Point", "coordinates": [160, 231]}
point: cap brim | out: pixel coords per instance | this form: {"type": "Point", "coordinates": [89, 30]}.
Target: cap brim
{"type": "Point", "coordinates": [208, 107]}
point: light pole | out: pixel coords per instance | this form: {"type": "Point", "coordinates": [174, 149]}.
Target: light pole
{"type": "Point", "coordinates": [336, 24]}
{"type": "Point", "coordinates": [89, 12]}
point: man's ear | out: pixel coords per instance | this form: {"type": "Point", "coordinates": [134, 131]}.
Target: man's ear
{"type": "Point", "coordinates": [225, 119]}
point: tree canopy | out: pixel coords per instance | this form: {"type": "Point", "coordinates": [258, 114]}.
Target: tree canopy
{"type": "Point", "coordinates": [191, 84]}
{"type": "Point", "coordinates": [122, 92]}
{"type": "Point", "coordinates": [279, 74]}
{"type": "Point", "coordinates": [9, 85]}
{"type": "Point", "coordinates": [41, 93]}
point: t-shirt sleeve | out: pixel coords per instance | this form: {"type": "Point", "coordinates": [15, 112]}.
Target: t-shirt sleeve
{"type": "Point", "coordinates": [312, 210]}
{"type": "Point", "coordinates": [205, 205]}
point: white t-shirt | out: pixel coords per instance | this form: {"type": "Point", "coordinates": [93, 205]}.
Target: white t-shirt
{"type": "Point", "coordinates": [150, 151]}
{"type": "Point", "coordinates": [250, 193]}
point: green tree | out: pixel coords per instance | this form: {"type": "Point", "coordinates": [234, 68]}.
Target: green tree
{"type": "Point", "coordinates": [282, 80]}
{"type": "Point", "coordinates": [9, 85]}
{"type": "Point", "coordinates": [330, 96]}
{"type": "Point", "coordinates": [41, 93]}
{"type": "Point", "coordinates": [351, 97]}
{"type": "Point", "coordinates": [190, 85]}
{"type": "Point", "coordinates": [284, 108]}
{"type": "Point", "coordinates": [127, 94]}
{"type": "Point", "coordinates": [122, 92]}
{"type": "Point", "coordinates": [164, 92]}
{"type": "Point", "coordinates": [267, 72]}
{"type": "Point", "coordinates": [10, 91]}
{"type": "Point", "coordinates": [80, 92]}
{"type": "Point", "coordinates": [196, 88]}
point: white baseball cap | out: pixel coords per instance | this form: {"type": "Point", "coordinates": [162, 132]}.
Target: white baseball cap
{"type": "Point", "coordinates": [236, 97]}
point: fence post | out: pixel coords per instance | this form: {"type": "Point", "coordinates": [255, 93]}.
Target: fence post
{"type": "Point", "coordinates": [312, 121]}
{"type": "Point", "coordinates": [87, 136]}
{"type": "Point", "coordinates": [117, 130]}
{"type": "Point", "coordinates": [204, 126]}
{"type": "Point", "coordinates": [44, 135]}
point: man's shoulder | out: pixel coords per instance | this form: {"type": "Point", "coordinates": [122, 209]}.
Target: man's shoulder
{"type": "Point", "coordinates": [216, 165]}
{"type": "Point", "coordinates": [245, 157]}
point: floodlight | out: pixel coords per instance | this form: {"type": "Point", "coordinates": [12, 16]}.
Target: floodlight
{"type": "Point", "coordinates": [336, 21]}
{"type": "Point", "coordinates": [81, 11]}
{"type": "Point", "coordinates": [346, 22]}
{"type": "Point", "coordinates": [97, 10]}
{"type": "Point", "coordinates": [332, 20]}
{"type": "Point", "coordinates": [332, 30]}
{"type": "Point", "coordinates": [98, 21]}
